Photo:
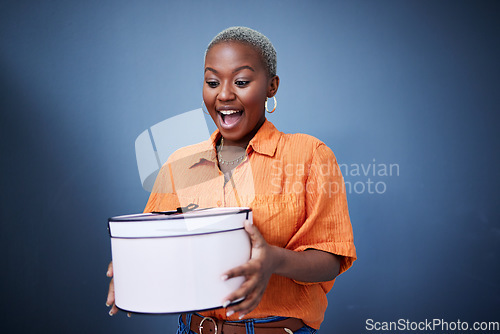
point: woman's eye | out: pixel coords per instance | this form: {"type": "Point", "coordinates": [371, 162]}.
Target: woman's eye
{"type": "Point", "coordinates": [212, 84]}
{"type": "Point", "coordinates": [241, 83]}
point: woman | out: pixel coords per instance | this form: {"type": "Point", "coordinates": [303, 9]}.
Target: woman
{"type": "Point", "coordinates": [301, 234]}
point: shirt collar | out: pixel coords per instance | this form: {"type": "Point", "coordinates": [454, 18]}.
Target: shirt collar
{"type": "Point", "coordinates": [265, 140]}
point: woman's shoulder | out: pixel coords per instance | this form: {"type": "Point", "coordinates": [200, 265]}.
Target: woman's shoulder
{"type": "Point", "coordinates": [303, 148]}
{"type": "Point", "coordinates": [302, 143]}
{"type": "Point", "coordinates": [303, 139]}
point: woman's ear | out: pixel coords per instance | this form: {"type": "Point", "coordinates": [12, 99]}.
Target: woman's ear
{"type": "Point", "coordinates": [274, 83]}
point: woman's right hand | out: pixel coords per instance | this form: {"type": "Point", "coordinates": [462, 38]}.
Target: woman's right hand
{"type": "Point", "coordinates": [111, 292]}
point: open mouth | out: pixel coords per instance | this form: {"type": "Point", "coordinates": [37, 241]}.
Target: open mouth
{"type": "Point", "coordinates": [229, 118]}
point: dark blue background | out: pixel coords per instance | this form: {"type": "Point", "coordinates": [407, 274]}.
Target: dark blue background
{"type": "Point", "coordinates": [413, 83]}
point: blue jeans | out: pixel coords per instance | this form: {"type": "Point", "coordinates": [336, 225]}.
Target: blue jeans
{"type": "Point", "coordinates": [184, 328]}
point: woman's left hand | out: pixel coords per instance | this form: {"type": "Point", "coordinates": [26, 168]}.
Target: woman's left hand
{"type": "Point", "coordinates": [257, 271]}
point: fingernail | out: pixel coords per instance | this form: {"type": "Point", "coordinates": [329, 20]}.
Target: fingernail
{"type": "Point", "coordinates": [107, 305]}
{"type": "Point", "coordinates": [224, 277]}
{"type": "Point", "coordinates": [241, 316]}
{"type": "Point", "coordinates": [129, 315]}
{"type": "Point", "coordinates": [229, 313]}
{"type": "Point", "coordinates": [108, 273]}
{"type": "Point", "coordinates": [225, 304]}
{"type": "Point", "coordinates": [111, 313]}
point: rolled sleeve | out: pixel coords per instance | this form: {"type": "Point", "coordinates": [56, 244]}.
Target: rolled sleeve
{"type": "Point", "coordinates": [327, 226]}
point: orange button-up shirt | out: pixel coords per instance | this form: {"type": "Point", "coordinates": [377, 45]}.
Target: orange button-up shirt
{"type": "Point", "coordinates": [295, 189]}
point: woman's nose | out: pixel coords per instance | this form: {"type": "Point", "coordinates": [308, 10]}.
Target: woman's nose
{"type": "Point", "coordinates": [226, 92]}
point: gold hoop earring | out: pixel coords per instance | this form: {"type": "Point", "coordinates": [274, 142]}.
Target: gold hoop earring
{"type": "Point", "coordinates": [203, 104]}
{"type": "Point", "coordinates": [275, 104]}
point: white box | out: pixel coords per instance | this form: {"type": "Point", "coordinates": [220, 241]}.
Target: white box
{"type": "Point", "coordinates": [173, 263]}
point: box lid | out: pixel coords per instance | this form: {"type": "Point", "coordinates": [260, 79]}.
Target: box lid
{"type": "Point", "coordinates": [174, 224]}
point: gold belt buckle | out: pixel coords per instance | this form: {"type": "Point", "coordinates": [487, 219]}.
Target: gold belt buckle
{"type": "Point", "coordinates": [200, 327]}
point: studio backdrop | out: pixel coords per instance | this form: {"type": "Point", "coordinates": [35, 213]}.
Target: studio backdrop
{"type": "Point", "coordinates": [404, 92]}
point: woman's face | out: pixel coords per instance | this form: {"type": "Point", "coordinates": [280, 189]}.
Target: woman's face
{"type": "Point", "coordinates": [235, 90]}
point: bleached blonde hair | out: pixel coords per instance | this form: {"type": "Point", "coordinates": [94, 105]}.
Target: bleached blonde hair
{"type": "Point", "coordinates": [252, 37]}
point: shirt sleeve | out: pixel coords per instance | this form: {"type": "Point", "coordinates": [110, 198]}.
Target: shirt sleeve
{"type": "Point", "coordinates": [327, 226]}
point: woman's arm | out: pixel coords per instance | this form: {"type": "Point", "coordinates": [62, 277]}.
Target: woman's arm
{"type": "Point", "coordinates": [307, 266]}
{"type": "Point", "coordinates": [310, 265]}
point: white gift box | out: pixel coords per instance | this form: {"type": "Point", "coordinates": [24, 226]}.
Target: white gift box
{"type": "Point", "coordinates": [173, 263]}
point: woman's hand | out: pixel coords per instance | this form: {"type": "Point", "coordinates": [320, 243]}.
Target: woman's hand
{"type": "Point", "coordinates": [257, 272]}
{"type": "Point", "coordinates": [310, 265]}
{"type": "Point", "coordinates": [111, 292]}
{"type": "Point", "coordinates": [110, 301]}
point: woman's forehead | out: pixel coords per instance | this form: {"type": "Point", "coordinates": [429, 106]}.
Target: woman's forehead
{"type": "Point", "coordinates": [229, 55]}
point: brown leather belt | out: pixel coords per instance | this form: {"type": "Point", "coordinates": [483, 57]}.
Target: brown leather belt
{"type": "Point", "coordinates": [206, 325]}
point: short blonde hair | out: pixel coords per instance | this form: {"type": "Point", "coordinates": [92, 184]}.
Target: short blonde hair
{"type": "Point", "coordinates": [252, 37]}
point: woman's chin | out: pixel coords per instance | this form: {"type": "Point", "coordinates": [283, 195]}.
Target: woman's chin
{"type": "Point", "coordinates": [231, 136]}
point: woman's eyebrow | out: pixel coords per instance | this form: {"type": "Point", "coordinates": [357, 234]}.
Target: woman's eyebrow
{"type": "Point", "coordinates": [234, 71]}
{"type": "Point", "coordinates": [243, 67]}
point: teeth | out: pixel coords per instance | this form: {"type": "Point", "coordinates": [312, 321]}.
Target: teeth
{"type": "Point", "coordinates": [229, 112]}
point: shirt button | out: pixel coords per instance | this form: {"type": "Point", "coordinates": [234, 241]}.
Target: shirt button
{"type": "Point", "coordinates": [219, 203]}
